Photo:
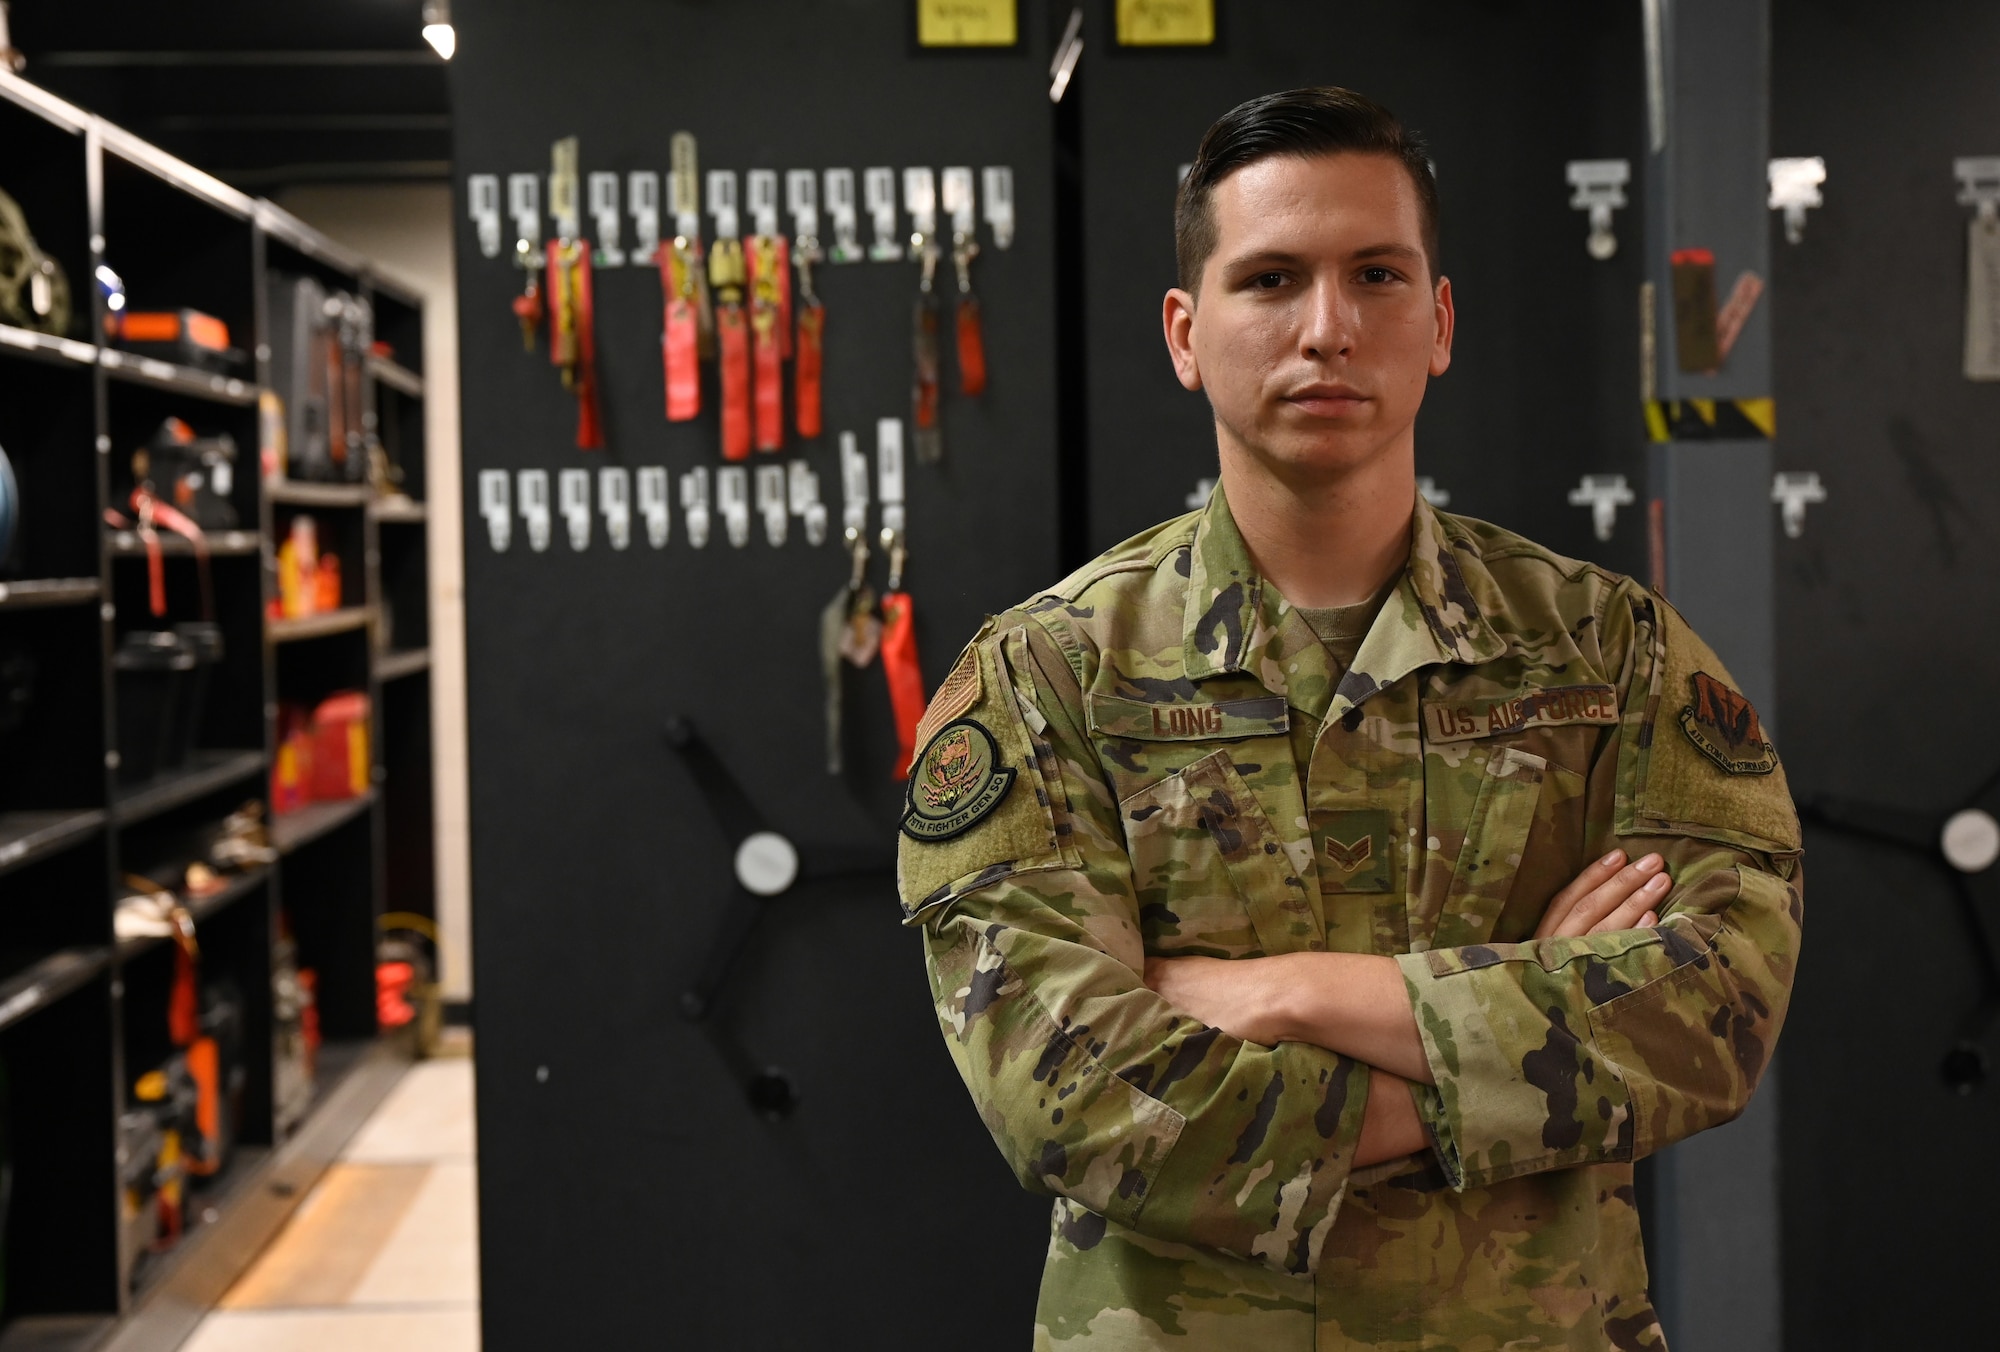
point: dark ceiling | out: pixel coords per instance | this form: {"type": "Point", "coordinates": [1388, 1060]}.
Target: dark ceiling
{"type": "Point", "coordinates": [264, 94]}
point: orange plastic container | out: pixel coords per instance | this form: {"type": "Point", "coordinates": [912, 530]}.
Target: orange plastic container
{"type": "Point", "coordinates": [340, 763]}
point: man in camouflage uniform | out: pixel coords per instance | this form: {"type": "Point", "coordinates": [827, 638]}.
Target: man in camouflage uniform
{"type": "Point", "coordinates": [1299, 957]}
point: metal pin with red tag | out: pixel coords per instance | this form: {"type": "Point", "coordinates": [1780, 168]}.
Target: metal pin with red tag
{"type": "Point", "coordinates": [524, 205]}
{"type": "Point", "coordinates": [971, 333]}
{"type": "Point", "coordinates": [769, 277]}
{"type": "Point", "coordinates": [802, 199]}
{"type": "Point", "coordinates": [682, 276]}
{"type": "Point", "coordinates": [920, 200]}
{"type": "Point", "coordinates": [727, 274]}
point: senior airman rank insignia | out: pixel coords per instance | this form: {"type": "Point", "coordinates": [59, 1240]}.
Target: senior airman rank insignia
{"type": "Point", "coordinates": [1724, 727]}
{"type": "Point", "coordinates": [958, 779]}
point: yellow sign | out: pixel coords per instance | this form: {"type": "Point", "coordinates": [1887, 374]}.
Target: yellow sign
{"type": "Point", "coordinates": [965, 23]}
{"type": "Point", "coordinates": [1166, 23]}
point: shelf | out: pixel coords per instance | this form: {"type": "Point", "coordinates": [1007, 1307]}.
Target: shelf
{"type": "Point", "coordinates": [46, 981]}
{"type": "Point", "coordinates": [239, 886]}
{"type": "Point", "coordinates": [42, 103]}
{"type": "Point", "coordinates": [293, 830]}
{"type": "Point", "coordinates": [300, 493]}
{"type": "Point", "coordinates": [398, 378]}
{"type": "Point", "coordinates": [205, 772]}
{"type": "Point", "coordinates": [46, 347]}
{"type": "Point", "coordinates": [399, 511]}
{"type": "Point", "coordinates": [255, 1196]}
{"type": "Point", "coordinates": [222, 544]}
{"type": "Point", "coordinates": [50, 591]}
{"type": "Point", "coordinates": [318, 626]}
{"type": "Point", "coordinates": [178, 172]}
{"type": "Point", "coordinates": [396, 665]}
{"type": "Point", "coordinates": [55, 1333]}
{"type": "Point", "coordinates": [164, 375]}
{"type": "Point", "coordinates": [27, 836]}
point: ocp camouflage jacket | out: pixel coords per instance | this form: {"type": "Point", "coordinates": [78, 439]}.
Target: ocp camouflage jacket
{"type": "Point", "coordinates": [1158, 757]}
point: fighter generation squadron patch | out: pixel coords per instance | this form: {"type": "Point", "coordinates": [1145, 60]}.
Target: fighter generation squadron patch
{"type": "Point", "coordinates": [1724, 727]}
{"type": "Point", "coordinates": [958, 779]}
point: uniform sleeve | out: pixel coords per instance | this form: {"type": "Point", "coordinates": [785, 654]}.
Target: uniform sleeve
{"type": "Point", "coordinates": [1607, 1047]}
{"type": "Point", "coordinates": [1094, 1087]}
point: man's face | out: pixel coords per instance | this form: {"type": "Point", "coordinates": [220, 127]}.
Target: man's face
{"type": "Point", "coordinates": [1318, 323]}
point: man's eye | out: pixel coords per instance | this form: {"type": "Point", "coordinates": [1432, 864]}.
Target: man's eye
{"type": "Point", "coordinates": [1377, 275]}
{"type": "Point", "coordinates": [1268, 280]}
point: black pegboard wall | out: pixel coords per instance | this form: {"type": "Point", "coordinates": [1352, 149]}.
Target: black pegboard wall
{"type": "Point", "coordinates": [628, 1193]}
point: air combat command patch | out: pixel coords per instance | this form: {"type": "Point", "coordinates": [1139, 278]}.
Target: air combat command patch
{"type": "Point", "coordinates": [957, 780]}
{"type": "Point", "coordinates": [1724, 727]}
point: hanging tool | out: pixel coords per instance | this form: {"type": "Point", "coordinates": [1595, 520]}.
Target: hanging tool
{"type": "Point", "coordinates": [524, 204]}
{"type": "Point", "coordinates": [970, 331]}
{"type": "Point", "coordinates": [849, 633]}
{"type": "Point", "coordinates": [727, 274]}
{"type": "Point", "coordinates": [801, 198]}
{"type": "Point", "coordinates": [681, 281]}
{"type": "Point", "coordinates": [770, 278]}
{"type": "Point", "coordinates": [900, 666]}
{"type": "Point", "coordinates": [920, 200]}
{"type": "Point", "coordinates": [572, 305]}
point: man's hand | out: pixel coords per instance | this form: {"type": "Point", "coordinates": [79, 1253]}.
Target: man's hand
{"type": "Point", "coordinates": [1609, 895]}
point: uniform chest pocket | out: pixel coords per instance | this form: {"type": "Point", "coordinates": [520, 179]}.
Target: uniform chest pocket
{"type": "Point", "coordinates": [1213, 874]}
{"type": "Point", "coordinates": [1482, 814]}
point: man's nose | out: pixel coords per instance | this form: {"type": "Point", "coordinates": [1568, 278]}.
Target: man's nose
{"type": "Point", "coordinates": [1328, 322]}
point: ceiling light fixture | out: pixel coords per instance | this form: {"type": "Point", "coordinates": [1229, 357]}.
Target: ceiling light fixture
{"type": "Point", "coordinates": [438, 31]}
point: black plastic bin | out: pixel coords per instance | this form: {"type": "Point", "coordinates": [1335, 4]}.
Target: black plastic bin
{"type": "Point", "coordinates": [204, 640]}
{"type": "Point", "coordinates": [152, 667]}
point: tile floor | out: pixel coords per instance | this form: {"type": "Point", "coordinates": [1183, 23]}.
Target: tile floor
{"type": "Point", "coordinates": [383, 1254]}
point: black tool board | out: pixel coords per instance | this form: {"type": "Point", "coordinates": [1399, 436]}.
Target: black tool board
{"type": "Point", "coordinates": [629, 1194]}
{"type": "Point", "coordinates": [1886, 664]}
{"type": "Point", "coordinates": [632, 1194]}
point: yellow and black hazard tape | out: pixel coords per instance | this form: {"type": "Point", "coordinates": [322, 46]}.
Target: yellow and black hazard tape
{"type": "Point", "coordinates": [1711, 419]}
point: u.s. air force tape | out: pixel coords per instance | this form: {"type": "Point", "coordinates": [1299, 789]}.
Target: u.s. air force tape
{"type": "Point", "coordinates": [956, 781]}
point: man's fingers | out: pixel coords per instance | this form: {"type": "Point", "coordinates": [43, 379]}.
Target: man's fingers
{"type": "Point", "coordinates": [1632, 913]}
{"type": "Point", "coordinates": [1608, 897]}
{"type": "Point", "coordinates": [1565, 901]}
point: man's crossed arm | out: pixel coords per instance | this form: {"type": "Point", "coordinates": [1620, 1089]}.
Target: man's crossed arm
{"type": "Point", "coordinates": [1357, 1005]}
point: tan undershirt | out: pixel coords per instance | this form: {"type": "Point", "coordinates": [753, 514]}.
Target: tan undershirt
{"type": "Point", "coordinates": [1341, 628]}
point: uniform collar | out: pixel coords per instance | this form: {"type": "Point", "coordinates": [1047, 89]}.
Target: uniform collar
{"type": "Point", "coordinates": [1236, 622]}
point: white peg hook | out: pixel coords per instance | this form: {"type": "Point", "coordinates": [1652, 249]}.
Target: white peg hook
{"type": "Point", "coordinates": [1604, 494]}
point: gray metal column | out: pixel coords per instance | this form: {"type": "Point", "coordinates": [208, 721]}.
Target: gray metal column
{"type": "Point", "coordinates": [1715, 1225]}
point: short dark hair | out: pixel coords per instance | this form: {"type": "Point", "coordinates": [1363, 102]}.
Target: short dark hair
{"type": "Point", "coordinates": [1304, 123]}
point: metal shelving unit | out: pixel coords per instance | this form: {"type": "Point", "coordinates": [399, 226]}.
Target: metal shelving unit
{"type": "Point", "coordinates": [81, 1012]}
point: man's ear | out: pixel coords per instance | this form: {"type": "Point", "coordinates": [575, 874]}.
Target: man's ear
{"type": "Point", "coordinates": [1177, 319]}
{"type": "Point", "coordinates": [1447, 322]}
